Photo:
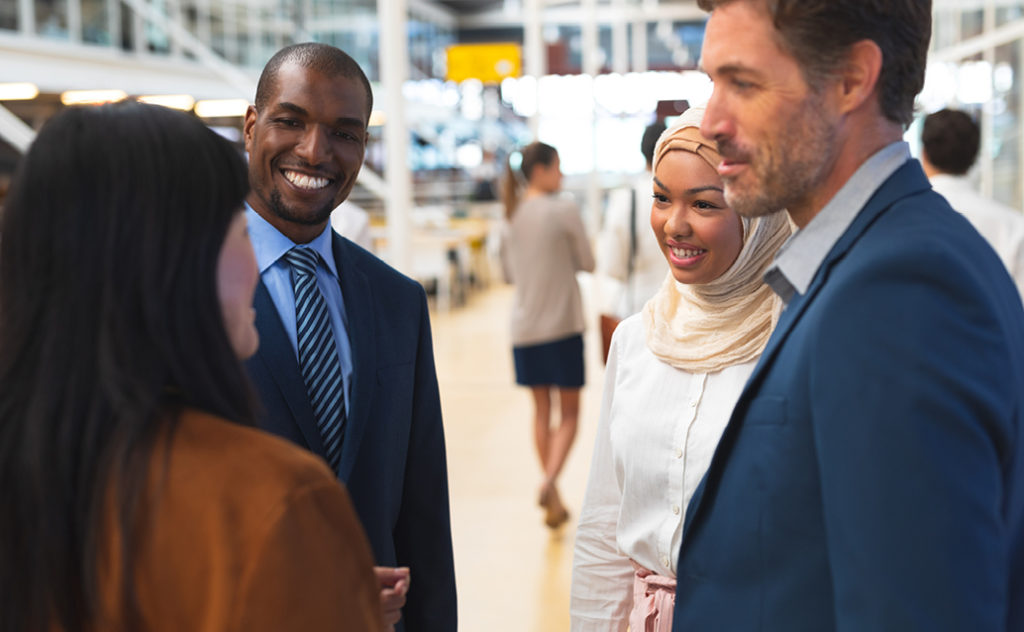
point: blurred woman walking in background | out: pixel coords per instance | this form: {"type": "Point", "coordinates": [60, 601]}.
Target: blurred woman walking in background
{"type": "Point", "coordinates": [543, 248]}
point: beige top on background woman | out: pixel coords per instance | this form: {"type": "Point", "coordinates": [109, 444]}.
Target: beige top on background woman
{"type": "Point", "coordinates": [542, 248]}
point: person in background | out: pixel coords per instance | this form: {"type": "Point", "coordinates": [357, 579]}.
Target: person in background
{"type": "Point", "coordinates": [950, 140]}
{"type": "Point", "coordinates": [353, 222]}
{"type": "Point", "coordinates": [690, 349]}
{"type": "Point", "coordinates": [346, 368]}
{"type": "Point", "coordinates": [137, 493]}
{"type": "Point", "coordinates": [626, 250]}
{"type": "Point", "coordinates": [543, 248]}
{"type": "Point", "coordinates": [871, 476]}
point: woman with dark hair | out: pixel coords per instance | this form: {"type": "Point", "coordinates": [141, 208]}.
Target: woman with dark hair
{"type": "Point", "coordinates": [543, 248]}
{"type": "Point", "coordinates": [136, 497]}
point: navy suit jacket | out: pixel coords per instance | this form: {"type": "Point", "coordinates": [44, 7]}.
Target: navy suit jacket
{"type": "Point", "coordinates": [870, 477]}
{"type": "Point", "coordinates": [393, 455]}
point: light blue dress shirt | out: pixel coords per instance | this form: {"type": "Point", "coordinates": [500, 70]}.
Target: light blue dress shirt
{"type": "Point", "coordinates": [270, 247]}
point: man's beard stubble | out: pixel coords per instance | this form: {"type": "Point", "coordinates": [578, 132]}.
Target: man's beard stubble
{"type": "Point", "coordinates": [784, 173]}
{"type": "Point", "coordinates": [317, 217]}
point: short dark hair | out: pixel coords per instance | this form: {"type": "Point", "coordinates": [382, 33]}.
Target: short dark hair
{"type": "Point", "coordinates": [325, 59]}
{"type": "Point", "coordinates": [950, 140]}
{"type": "Point", "coordinates": [110, 324]}
{"type": "Point", "coordinates": [650, 140]}
{"type": "Point", "coordinates": [819, 33]}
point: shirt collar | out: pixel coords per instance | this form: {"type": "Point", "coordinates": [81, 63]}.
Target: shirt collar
{"type": "Point", "coordinates": [800, 257]}
{"type": "Point", "coordinates": [948, 180]}
{"type": "Point", "coordinates": [270, 244]}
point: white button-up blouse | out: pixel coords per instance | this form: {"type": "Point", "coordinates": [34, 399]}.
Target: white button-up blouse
{"type": "Point", "coordinates": [657, 432]}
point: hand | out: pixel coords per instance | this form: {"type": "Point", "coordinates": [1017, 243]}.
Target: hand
{"type": "Point", "coordinates": [394, 584]}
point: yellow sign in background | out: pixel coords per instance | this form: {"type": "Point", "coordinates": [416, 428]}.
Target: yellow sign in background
{"type": "Point", "coordinates": [490, 63]}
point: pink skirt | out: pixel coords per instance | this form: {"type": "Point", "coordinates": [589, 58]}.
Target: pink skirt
{"type": "Point", "coordinates": [654, 598]}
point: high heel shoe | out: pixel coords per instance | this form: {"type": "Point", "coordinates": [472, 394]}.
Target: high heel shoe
{"type": "Point", "coordinates": [555, 512]}
{"type": "Point", "coordinates": [555, 519]}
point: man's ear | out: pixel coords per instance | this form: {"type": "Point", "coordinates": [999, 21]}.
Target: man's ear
{"type": "Point", "coordinates": [859, 76]}
{"type": "Point", "coordinates": [250, 120]}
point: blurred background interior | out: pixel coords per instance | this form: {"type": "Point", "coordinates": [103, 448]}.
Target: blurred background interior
{"type": "Point", "coordinates": [459, 85]}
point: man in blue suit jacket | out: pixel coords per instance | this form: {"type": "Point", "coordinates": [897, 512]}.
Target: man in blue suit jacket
{"type": "Point", "coordinates": [870, 478]}
{"type": "Point", "coordinates": [306, 136]}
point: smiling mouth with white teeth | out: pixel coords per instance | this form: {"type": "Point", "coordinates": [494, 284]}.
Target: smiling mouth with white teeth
{"type": "Point", "coordinates": [686, 253]}
{"type": "Point", "coordinates": [302, 181]}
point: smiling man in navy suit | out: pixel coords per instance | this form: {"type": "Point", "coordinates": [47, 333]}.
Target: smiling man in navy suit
{"type": "Point", "coordinates": [348, 374]}
{"type": "Point", "coordinates": [870, 477]}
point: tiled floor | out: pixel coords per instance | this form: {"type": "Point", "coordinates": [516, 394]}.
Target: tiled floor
{"type": "Point", "coordinates": [513, 573]}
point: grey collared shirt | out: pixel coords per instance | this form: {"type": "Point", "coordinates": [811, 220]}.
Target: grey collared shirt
{"type": "Point", "coordinates": [800, 257]}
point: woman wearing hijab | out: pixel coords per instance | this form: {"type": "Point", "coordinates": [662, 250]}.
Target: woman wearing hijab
{"type": "Point", "coordinates": [674, 373]}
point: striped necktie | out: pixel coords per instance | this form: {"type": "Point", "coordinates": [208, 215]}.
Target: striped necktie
{"type": "Point", "coordinates": [318, 355]}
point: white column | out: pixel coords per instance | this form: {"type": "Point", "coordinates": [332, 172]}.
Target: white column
{"type": "Point", "coordinates": [176, 15]}
{"type": "Point", "coordinates": [535, 62]}
{"type": "Point", "coordinates": [591, 66]}
{"type": "Point", "coordinates": [647, 8]}
{"type": "Point", "coordinates": [140, 43]}
{"type": "Point", "coordinates": [229, 24]}
{"type": "Point", "coordinates": [620, 40]}
{"type": "Point", "coordinates": [75, 20]}
{"type": "Point", "coordinates": [640, 45]}
{"type": "Point", "coordinates": [1017, 85]}
{"type": "Point", "coordinates": [203, 29]}
{"type": "Point", "coordinates": [394, 69]}
{"type": "Point", "coordinates": [254, 26]}
{"type": "Point", "coordinates": [987, 126]}
{"type": "Point", "coordinates": [27, 17]}
{"type": "Point", "coordinates": [114, 22]}
{"type": "Point", "coordinates": [588, 32]}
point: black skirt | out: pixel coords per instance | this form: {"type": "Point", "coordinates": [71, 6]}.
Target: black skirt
{"type": "Point", "coordinates": [558, 363]}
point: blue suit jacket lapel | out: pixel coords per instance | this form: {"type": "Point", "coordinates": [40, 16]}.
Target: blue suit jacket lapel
{"type": "Point", "coordinates": [277, 354]}
{"type": "Point", "coordinates": [907, 180]}
{"type": "Point", "coordinates": [361, 329]}
{"type": "Point", "coordinates": [789, 316]}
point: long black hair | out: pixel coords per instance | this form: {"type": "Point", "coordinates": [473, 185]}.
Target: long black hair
{"type": "Point", "coordinates": [109, 326]}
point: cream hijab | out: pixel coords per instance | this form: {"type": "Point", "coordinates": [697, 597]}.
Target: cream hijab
{"type": "Point", "coordinates": [707, 327]}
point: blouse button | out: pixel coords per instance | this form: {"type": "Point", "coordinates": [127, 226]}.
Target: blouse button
{"type": "Point", "coordinates": [666, 562]}
{"type": "Point", "coordinates": [675, 509]}
{"type": "Point", "coordinates": [679, 453]}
